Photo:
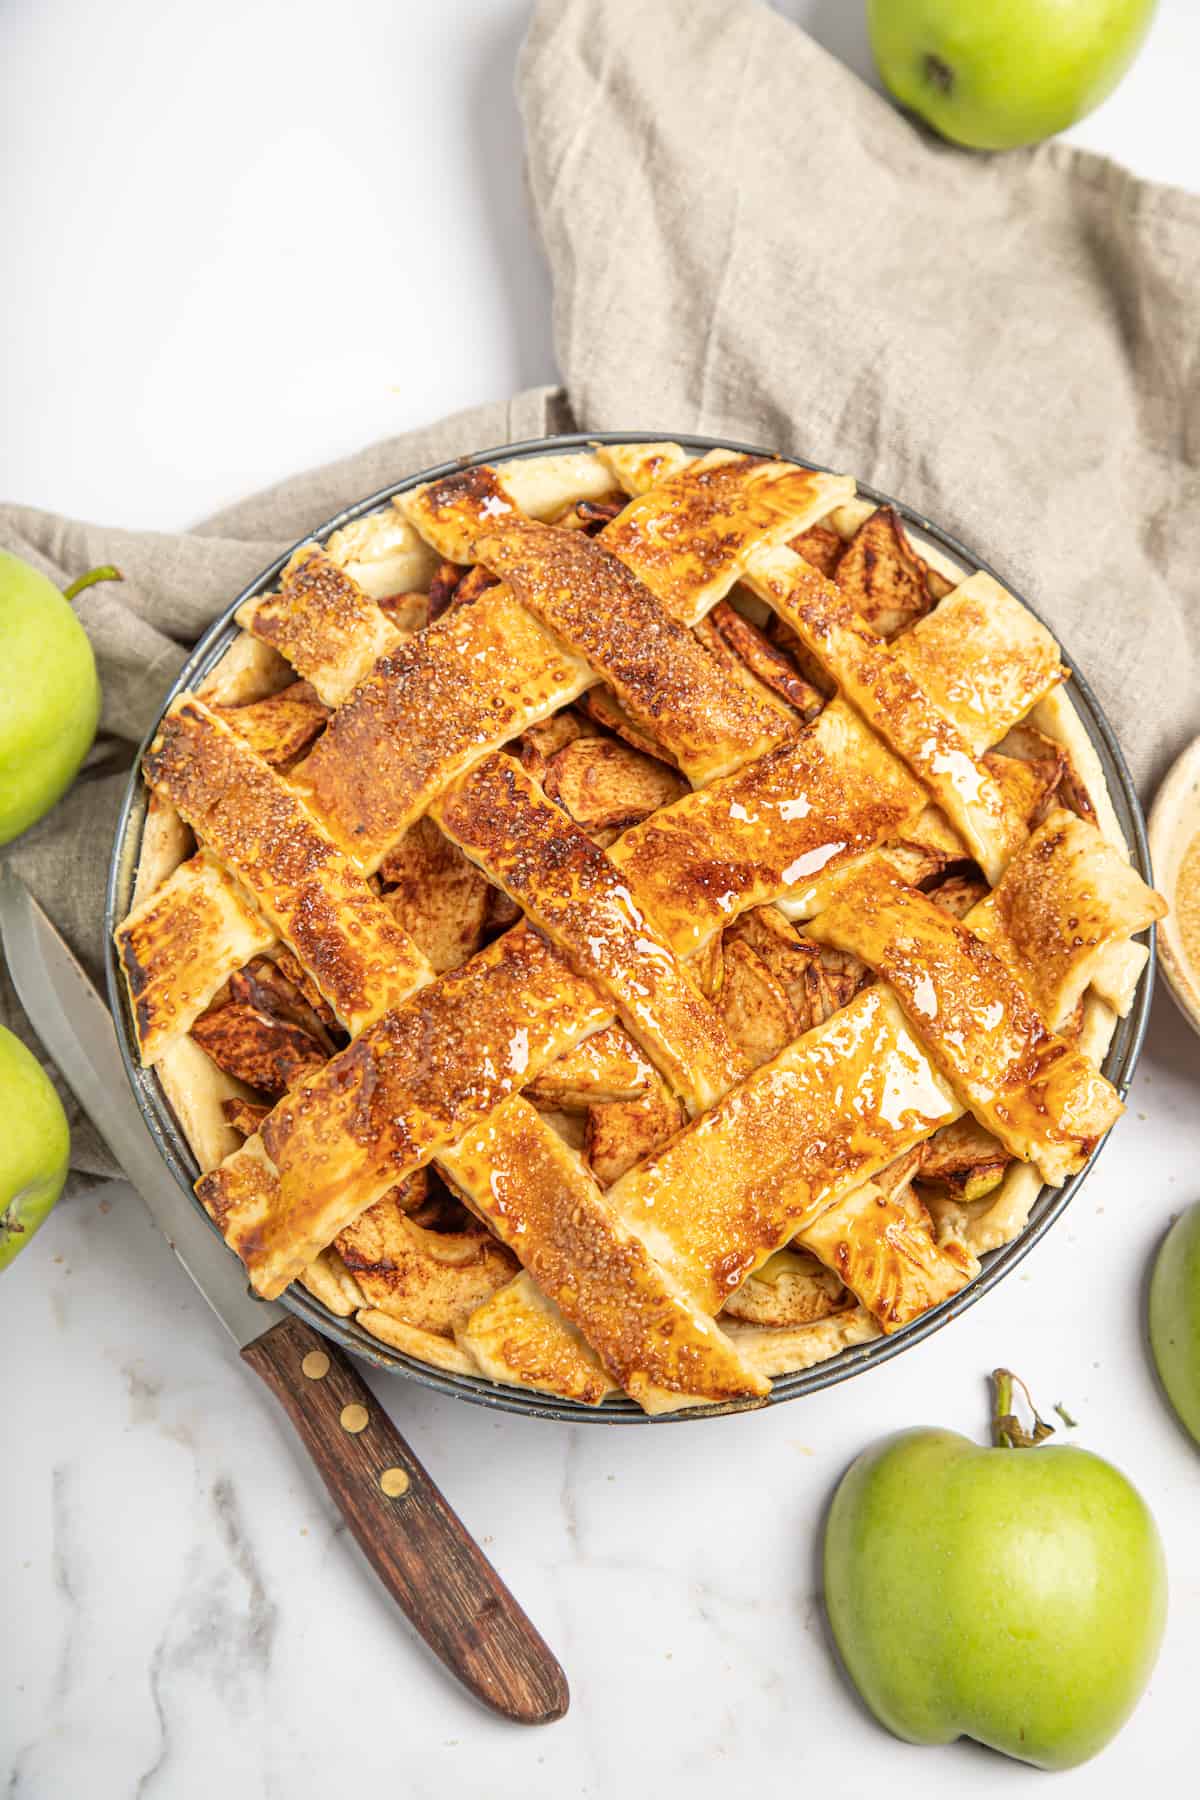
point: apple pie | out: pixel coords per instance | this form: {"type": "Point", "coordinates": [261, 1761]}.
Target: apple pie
{"type": "Point", "coordinates": [623, 919]}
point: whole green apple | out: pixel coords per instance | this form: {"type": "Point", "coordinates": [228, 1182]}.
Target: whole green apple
{"type": "Point", "coordinates": [1012, 1595]}
{"type": "Point", "coordinates": [1175, 1317]}
{"type": "Point", "coordinates": [49, 695]}
{"type": "Point", "coordinates": [994, 74]}
{"type": "Point", "coordinates": [35, 1146]}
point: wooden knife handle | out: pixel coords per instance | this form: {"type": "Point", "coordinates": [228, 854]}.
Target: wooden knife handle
{"type": "Point", "coordinates": [419, 1548]}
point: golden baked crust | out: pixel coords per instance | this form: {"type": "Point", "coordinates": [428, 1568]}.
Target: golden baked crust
{"type": "Point", "coordinates": [306, 888]}
{"type": "Point", "coordinates": [1040, 1096]}
{"type": "Point", "coordinates": [1063, 906]}
{"type": "Point", "coordinates": [519, 1336]}
{"type": "Point", "coordinates": [465, 685]}
{"type": "Point", "coordinates": [414, 1081]}
{"type": "Point", "coordinates": [584, 903]}
{"type": "Point", "coordinates": [883, 689]}
{"type": "Point", "coordinates": [330, 631]}
{"type": "Point", "coordinates": [768, 831]}
{"type": "Point", "coordinates": [180, 944]}
{"type": "Point", "coordinates": [822, 1117]}
{"type": "Point", "coordinates": [649, 1334]}
{"type": "Point", "coordinates": [533, 1074]}
{"type": "Point", "coordinates": [885, 1250]}
{"type": "Point", "coordinates": [657, 668]}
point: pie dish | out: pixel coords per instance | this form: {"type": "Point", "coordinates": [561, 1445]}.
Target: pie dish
{"type": "Point", "coordinates": [629, 918]}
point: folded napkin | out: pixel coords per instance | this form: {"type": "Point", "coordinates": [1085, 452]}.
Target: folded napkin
{"type": "Point", "coordinates": [746, 241]}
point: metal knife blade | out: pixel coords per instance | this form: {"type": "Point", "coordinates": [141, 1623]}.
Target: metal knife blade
{"type": "Point", "coordinates": [75, 1026]}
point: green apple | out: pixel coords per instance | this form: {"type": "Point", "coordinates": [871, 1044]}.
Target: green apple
{"type": "Point", "coordinates": [49, 694]}
{"type": "Point", "coordinates": [994, 74]}
{"type": "Point", "coordinates": [1012, 1595]}
{"type": "Point", "coordinates": [1175, 1317]}
{"type": "Point", "coordinates": [35, 1146]}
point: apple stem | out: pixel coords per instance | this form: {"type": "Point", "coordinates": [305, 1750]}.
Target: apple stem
{"type": "Point", "coordinates": [1007, 1431]}
{"type": "Point", "coordinates": [105, 573]}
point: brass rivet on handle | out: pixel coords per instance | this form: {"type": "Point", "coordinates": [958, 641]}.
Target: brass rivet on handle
{"type": "Point", "coordinates": [394, 1482]}
{"type": "Point", "coordinates": [355, 1418]}
{"type": "Point", "coordinates": [316, 1365]}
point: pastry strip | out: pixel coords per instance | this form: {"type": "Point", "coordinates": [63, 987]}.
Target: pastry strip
{"type": "Point", "coordinates": [774, 827]}
{"type": "Point", "coordinates": [882, 1245]}
{"type": "Point", "coordinates": [520, 1336]}
{"type": "Point", "coordinates": [323, 622]}
{"type": "Point", "coordinates": [689, 534]}
{"type": "Point", "coordinates": [1038, 1095]}
{"type": "Point", "coordinates": [799, 1133]}
{"type": "Point", "coordinates": [982, 659]}
{"type": "Point", "coordinates": [1065, 901]}
{"type": "Point", "coordinates": [883, 689]}
{"type": "Point", "coordinates": [414, 1081]}
{"type": "Point", "coordinates": [501, 819]}
{"type": "Point", "coordinates": [687, 542]}
{"type": "Point", "coordinates": [180, 945]}
{"type": "Point", "coordinates": [305, 887]}
{"type": "Point", "coordinates": [541, 1200]}
{"type": "Point", "coordinates": [784, 1149]}
{"type": "Point", "coordinates": [666, 680]}
{"type": "Point", "coordinates": [479, 675]}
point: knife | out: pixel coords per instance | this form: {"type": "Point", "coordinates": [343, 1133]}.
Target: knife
{"type": "Point", "coordinates": [418, 1547]}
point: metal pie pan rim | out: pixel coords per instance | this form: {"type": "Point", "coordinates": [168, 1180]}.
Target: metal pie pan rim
{"type": "Point", "coordinates": [1051, 1203]}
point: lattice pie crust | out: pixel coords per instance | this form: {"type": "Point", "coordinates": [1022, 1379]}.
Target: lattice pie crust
{"type": "Point", "coordinates": [621, 919]}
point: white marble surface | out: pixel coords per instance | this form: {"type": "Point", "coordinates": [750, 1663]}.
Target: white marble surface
{"type": "Point", "coordinates": [181, 1613]}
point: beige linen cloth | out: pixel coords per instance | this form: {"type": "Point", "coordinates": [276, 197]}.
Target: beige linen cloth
{"type": "Point", "coordinates": [746, 241]}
